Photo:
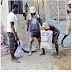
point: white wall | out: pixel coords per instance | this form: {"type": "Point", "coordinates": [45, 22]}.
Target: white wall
{"type": "Point", "coordinates": [4, 14]}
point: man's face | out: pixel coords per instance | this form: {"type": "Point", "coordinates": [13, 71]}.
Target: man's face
{"type": "Point", "coordinates": [69, 5]}
{"type": "Point", "coordinates": [32, 14]}
{"type": "Point", "coordinates": [16, 10]}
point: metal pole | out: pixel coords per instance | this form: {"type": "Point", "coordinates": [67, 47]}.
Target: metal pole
{"type": "Point", "coordinates": [58, 8]}
{"type": "Point", "coordinates": [38, 6]}
{"type": "Point", "coordinates": [66, 8]}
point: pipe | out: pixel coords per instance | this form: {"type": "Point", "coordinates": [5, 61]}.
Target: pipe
{"type": "Point", "coordinates": [66, 8]}
{"type": "Point", "coordinates": [58, 8]}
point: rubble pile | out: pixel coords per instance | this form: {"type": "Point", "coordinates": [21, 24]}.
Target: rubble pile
{"type": "Point", "coordinates": [4, 48]}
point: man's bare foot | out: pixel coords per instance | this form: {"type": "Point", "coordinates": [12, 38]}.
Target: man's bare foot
{"type": "Point", "coordinates": [15, 61]}
{"type": "Point", "coordinates": [58, 56]}
{"type": "Point", "coordinates": [42, 54]}
{"type": "Point", "coordinates": [38, 49]}
{"type": "Point", "coordinates": [29, 54]}
{"type": "Point", "coordinates": [17, 57]}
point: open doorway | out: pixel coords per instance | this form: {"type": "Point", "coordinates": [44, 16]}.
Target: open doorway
{"type": "Point", "coordinates": [20, 6]}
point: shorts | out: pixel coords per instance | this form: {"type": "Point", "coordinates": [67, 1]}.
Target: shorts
{"type": "Point", "coordinates": [55, 37]}
{"type": "Point", "coordinates": [35, 34]}
{"type": "Point", "coordinates": [12, 42]}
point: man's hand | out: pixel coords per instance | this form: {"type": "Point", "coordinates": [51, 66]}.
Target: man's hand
{"type": "Point", "coordinates": [27, 32]}
{"type": "Point", "coordinates": [16, 37]}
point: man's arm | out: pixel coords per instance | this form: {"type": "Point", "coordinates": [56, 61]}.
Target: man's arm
{"type": "Point", "coordinates": [40, 21]}
{"type": "Point", "coordinates": [54, 28]}
{"type": "Point", "coordinates": [27, 25]}
{"type": "Point", "coordinates": [68, 11]}
{"type": "Point", "coordinates": [15, 34]}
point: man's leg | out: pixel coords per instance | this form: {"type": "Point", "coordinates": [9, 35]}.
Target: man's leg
{"type": "Point", "coordinates": [43, 51]}
{"type": "Point", "coordinates": [12, 46]}
{"type": "Point", "coordinates": [39, 41]}
{"type": "Point", "coordinates": [68, 31]}
{"type": "Point", "coordinates": [14, 50]}
{"type": "Point", "coordinates": [31, 46]}
{"type": "Point", "coordinates": [56, 46]}
{"type": "Point", "coordinates": [38, 36]}
{"type": "Point", "coordinates": [31, 41]}
{"type": "Point", "coordinates": [57, 53]}
{"type": "Point", "coordinates": [39, 44]}
{"type": "Point", "coordinates": [55, 39]}
{"type": "Point", "coordinates": [15, 47]}
{"type": "Point", "coordinates": [12, 55]}
{"type": "Point", "coordinates": [14, 58]}
{"type": "Point", "coordinates": [63, 39]}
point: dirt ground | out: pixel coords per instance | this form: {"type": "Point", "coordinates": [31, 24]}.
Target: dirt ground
{"type": "Point", "coordinates": [64, 62]}
{"type": "Point", "coordinates": [37, 62]}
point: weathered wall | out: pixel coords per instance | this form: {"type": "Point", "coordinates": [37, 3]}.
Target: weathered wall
{"type": "Point", "coordinates": [49, 8]}
{"type": "Point", "coordinates": [43, 8]}
{"type": "Point", "coordinates": [4, 14]}
{"type": "Point", "coordinates": [54, 10]}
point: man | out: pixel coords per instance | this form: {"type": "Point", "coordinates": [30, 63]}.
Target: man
{"type": "Point", "coordinates": [33, 26]}
{"type": "Point", "coordinates": [11, 31]}
{"type": "Point", "coordinates": [68, 30]}
{"type": "Point", "coordinates": [56, 33]}
{"type": "Point", "coordinates": [25, 10]}
{"type": "Point", "coordinates": [26, 7]}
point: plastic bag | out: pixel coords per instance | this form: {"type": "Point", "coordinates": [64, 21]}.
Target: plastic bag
{"type": "Point", "coordinates": [19, 51]}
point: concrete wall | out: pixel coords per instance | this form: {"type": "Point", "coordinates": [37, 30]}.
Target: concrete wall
{"type": "Point", "coordinates": [48, 8]}
{"type": "Point", "coordinates": [47, 12]}
{"type": "Point", "coordinates": [62, 9]}
{"type": "Point", "coordinates": [0, 14]}
{"type": "Point", "coordinates": [4, 14]}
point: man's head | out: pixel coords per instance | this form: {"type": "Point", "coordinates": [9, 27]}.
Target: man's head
{"type": "Point", "coordinates": [15, 8]}
{"type": "Point", "coordinates": [69, 4]}
{"type": "Point", "coordinates": [33, 11]}
{"type": "Point", "coordinates": [45, 26]}
{"type": "Point", "coordinates": [26, 3]}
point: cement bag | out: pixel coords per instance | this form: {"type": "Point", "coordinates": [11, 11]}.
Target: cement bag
{"type": "Point", "coordinates": [46, 39]}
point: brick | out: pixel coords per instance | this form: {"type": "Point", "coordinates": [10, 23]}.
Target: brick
{"type": "Point", "coordinates": [62, 10]}
{"type": "Point", "coordinates": [53, 3]}
{"type": "Point", "coordinates": [62, 2]}
{"type": "Point", "coordinates": [62, 17]}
